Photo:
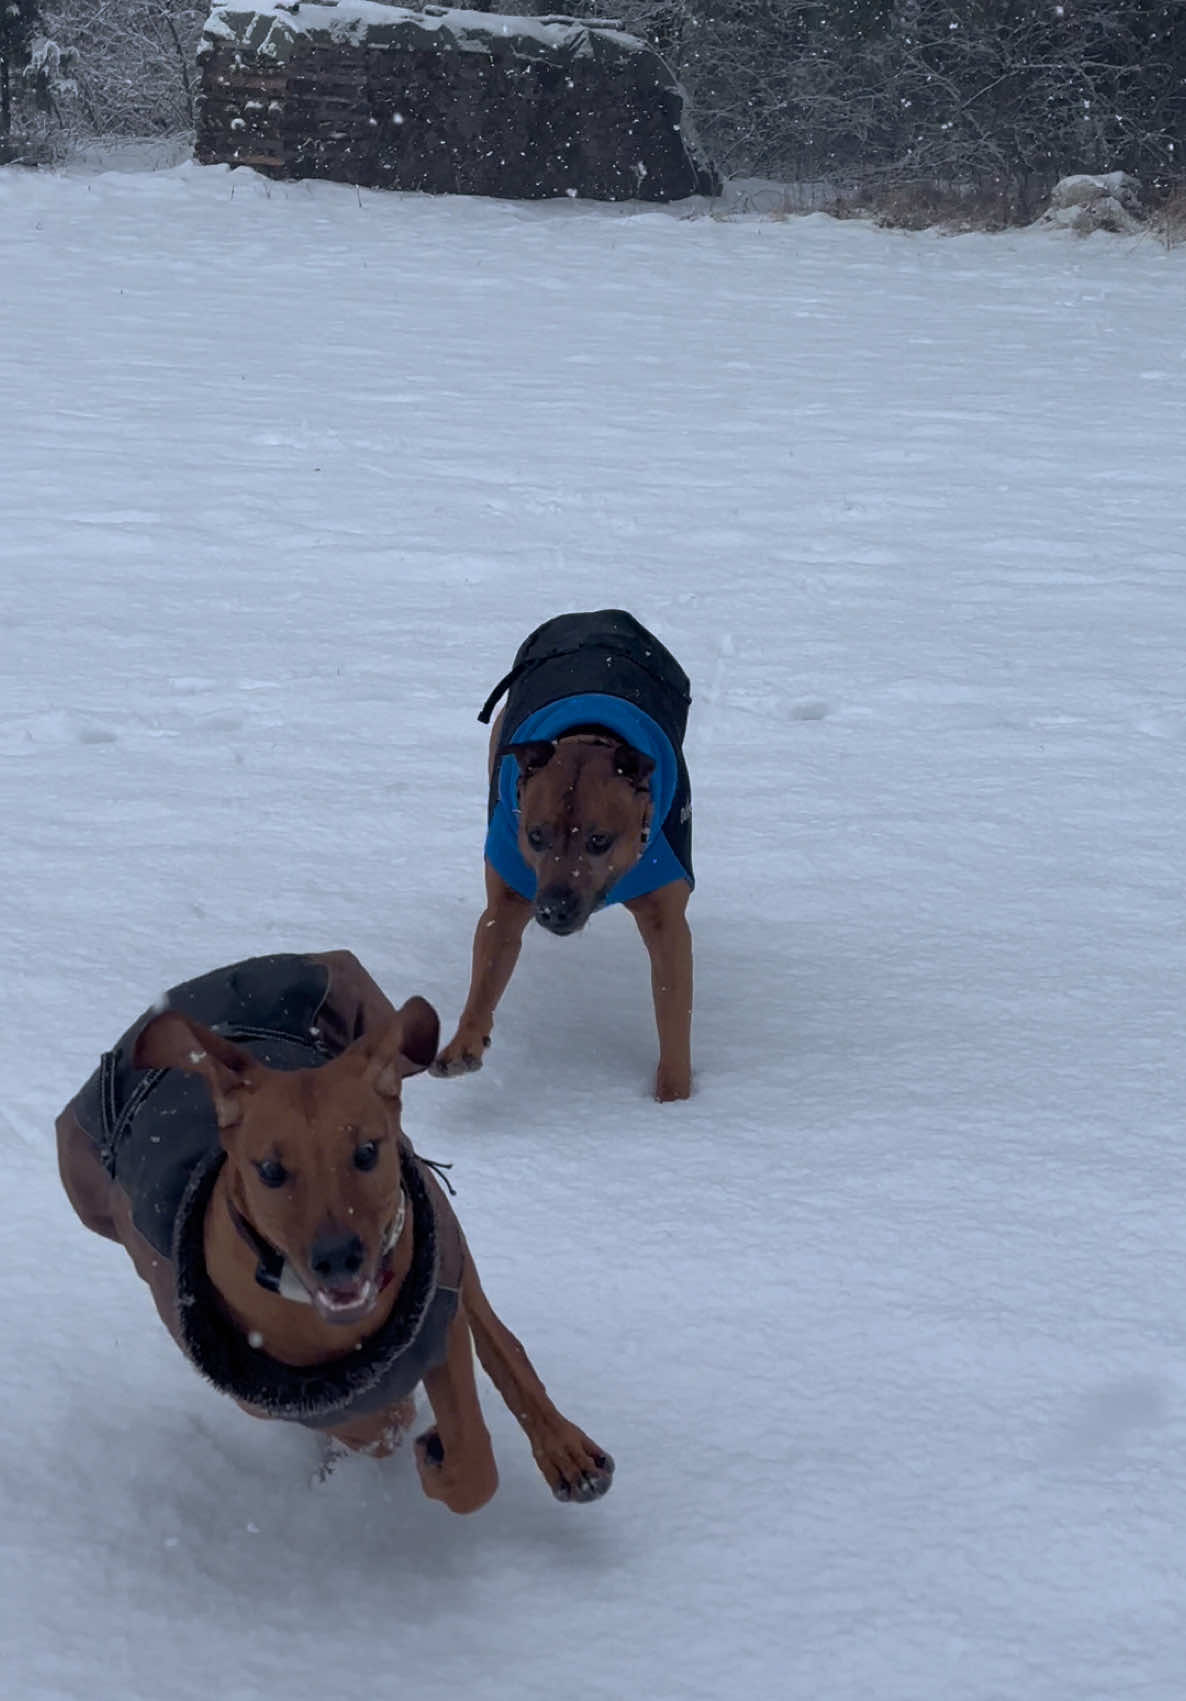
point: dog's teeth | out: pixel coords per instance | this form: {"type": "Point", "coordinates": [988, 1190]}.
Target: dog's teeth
{"type": "Point", "coordinates": [331, 1301]}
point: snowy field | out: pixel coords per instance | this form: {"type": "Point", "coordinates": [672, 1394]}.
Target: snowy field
{"type": "Point", "coordinates": [885, 1327]}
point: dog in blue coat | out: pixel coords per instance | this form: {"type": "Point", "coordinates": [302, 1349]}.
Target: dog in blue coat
{"type": "Point", "coordinates": [589, 805]}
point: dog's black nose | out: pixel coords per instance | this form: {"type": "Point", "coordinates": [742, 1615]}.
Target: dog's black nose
{"type": "Point", "coordinates": [336, 1257]}
{"type": "Point", "coordinates": [558, 909]}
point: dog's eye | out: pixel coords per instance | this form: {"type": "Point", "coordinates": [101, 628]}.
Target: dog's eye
{"type": "Point", "coordinates": [535, 838]}
{"type": "Point", "coordinates": [272, 1172]}
{"type": "Point", "coordinates": [598, 843]}
{"type": "Point", "coordinates": [366, 1156]}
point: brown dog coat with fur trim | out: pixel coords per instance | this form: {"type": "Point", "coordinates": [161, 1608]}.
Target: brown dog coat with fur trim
{"type": "Point", "coordinates": [139, 1153]}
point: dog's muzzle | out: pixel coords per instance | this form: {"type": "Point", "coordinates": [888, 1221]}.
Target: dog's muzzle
{"type": "Point", "coordinates": [561, 910]}
{"type": "Point", "coordinates": [338, 1296]}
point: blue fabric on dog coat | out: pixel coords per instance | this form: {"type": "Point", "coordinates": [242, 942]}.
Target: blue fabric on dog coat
{"type": "Point", "coordinates": [658, 865]}
{"type": "Point", "coordinates": [597, 669]}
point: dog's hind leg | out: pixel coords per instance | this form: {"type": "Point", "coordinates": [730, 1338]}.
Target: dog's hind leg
{"type": "Point", "coordinates": [377, 1434]}
{"type": "Point", "coordinates": [574, 1467]}
{"type": "Point", "coordinates": [498, 938]}
{"type": "Point", "coordinates": [88, 1186]}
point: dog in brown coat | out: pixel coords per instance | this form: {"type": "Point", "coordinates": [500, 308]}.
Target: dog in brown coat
{"type": "Point", "coordinates": [299, 1251]}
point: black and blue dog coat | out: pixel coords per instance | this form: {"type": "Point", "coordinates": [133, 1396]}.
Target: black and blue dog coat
{"type": "Point", "coordinates": [602, 670]}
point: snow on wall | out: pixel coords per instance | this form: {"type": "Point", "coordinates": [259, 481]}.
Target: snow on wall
{"type": "Point", "coordinates": [282, 21]}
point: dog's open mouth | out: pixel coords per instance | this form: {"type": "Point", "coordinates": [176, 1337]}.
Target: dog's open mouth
{"type": "Point", "coordinates": [346, 1302]}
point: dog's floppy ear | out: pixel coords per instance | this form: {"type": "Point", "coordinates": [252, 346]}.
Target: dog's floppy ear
{"type": "Point", "coordinates": [535, 754]}
{"type": "Point", "coordinates": [420, 1035]}
{"type": "Point", "coordinates": [175, 1041]}
{"type": "Point", "coordinates": [403, 1047]}
{"type": "Point", "coordinates": [633, 765]}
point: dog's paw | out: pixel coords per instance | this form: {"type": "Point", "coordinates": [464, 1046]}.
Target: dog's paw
{"type": "Point", "coordinates": [577, 1469]}
{"type": "Point", "coordinates": [461, 1488]}
{"type": "Point", "coordinates": [672, 1085]}
{"type": "Point", "coordinates": [430, 1451]}
{"type": "Point", "coordinates": [445, 1068]}
{"type": "Point", "coordinates": [459, 1057]}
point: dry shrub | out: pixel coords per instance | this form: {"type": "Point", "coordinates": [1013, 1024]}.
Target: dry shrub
{"type": "Point", "coordinates": [991, 205]}
{"type": "Point", "coordinates": [1170, 218]}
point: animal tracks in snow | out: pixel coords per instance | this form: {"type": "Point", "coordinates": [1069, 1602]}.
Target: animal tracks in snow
{"type": "Point", "coordinates": [60, 729]}
{"type": "Point", "coordinates": [29, 735]}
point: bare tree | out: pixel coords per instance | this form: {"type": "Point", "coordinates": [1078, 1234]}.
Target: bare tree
{"type": "Point", "coordinates": [33, 73]}
{"type": "Point", "coordinates": [135, 72]}
{"type": "Point", "coordinates": [949, 89]}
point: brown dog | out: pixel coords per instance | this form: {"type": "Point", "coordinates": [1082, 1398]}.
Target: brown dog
{"type": "Point", "coordinates": [589, 804]}
{"type": "Point", "coordinates": [300, 1253]}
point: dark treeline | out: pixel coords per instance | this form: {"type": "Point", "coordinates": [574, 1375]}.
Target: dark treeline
{"type": "Point", "coordinates": [951, 91]}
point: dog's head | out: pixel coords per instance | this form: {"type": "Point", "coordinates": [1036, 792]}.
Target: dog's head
{"type": "Point", "coordinates": [584, 817]}
{"type": "Point", "coordinates": [313, 1155]}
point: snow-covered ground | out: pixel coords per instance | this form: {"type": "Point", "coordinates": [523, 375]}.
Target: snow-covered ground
{"type": "Point", "coordinates": [885, 1327]}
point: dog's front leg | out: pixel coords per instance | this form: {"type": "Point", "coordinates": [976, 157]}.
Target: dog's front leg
{"type": "Point", "coordinates": [455, 1458]}
{"type": "Point", "coordinates": [498, 939]}
{"type": "Point", "coordinates": [574, 1467]}
{"type": "Point", "coordinates": [663, 923]}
